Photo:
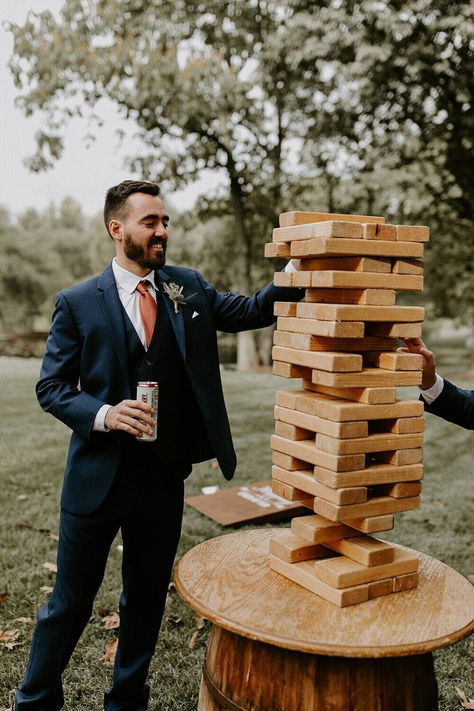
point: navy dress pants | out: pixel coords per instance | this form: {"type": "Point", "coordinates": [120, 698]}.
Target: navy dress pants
{"type": "Point", "coordinates": [147, 507]}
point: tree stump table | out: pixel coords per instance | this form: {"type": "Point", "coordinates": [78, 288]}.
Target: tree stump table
{"type": "Point", "coordinates": [276, 646]}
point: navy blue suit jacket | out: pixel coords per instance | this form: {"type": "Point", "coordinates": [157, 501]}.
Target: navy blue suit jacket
{"type": "Point", "coordinates": [454, 405]}
{"type": "Point", "coordinates": [86, 366]}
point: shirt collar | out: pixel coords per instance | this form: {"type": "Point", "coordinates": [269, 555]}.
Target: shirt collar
{"type": "Point", "coordinates": [128, 281]}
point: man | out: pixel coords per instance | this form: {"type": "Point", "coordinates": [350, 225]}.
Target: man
{"type": "Point", "coordinates": [441, 397]}
{"type": "Point", "coordinates": [101, 338]}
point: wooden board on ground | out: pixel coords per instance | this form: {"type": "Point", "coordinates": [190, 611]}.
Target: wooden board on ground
{"type": "Point", "coordinates": [255, 503]}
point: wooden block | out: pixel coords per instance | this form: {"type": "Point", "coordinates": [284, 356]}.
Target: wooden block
{"type": "Point", "coordinates": [403, 425]}
{"type": "Point", "coordinates": [280, 249]}
{"type": "Point", "coordinates": [286, 398]}
{"type": "Point", "coordinates": [301, 279]}
{"type": "Point", "coordinates": [382, 442]}
{"type": "Point", "coordinates": [317, 529]}
{"type": "Point", "coordinates": [307, 342]}
{"type": "Point", "coordinates": [372, 524]}
{"type": "Point", "coordinates": [328, 229]}
{"type": "Point", "coordinates": [286, 370]}
{"type": "Point", "coordinates": [287, 546]}
{"type": "Point", "coordinates": [408, 266]}
{"type": "Point", "coordinates": [305, 481]}
{"type": "Point", "coordinates": [333, 329]}
{"type": "Point", "coordinates": [352, 312]}
{"type": "Point", "coordinates": [288, 462]}
{"type": "Point", "coordinates": [368, 396]}
{"type": "Point", "coordinates": [323, 360]}
{"type": "Point", "coordinates": [360, 405]}
{"type": "Point", "coordinates": [413, 233]}
{"type": "Point", "coordinates": [399, 490]}
{"type": "Point", "coordinates": [283, 429]}
{"type": "Point", "coordinates": [283, 279]}
{"type": "Point", "coordinates": [365, 550]}
{"type": "Point", "coordinates": [368, 377]}
{"type": "Point", "coordinates": [379, 231]}
{"type": "Point", "coordinates": [405, 582]}
{"type": "Point", "coordinates": [374, 297]}
{"type": "Point", "coordinates": [373, 474]}
{"type": "Point", "coordinates": [284, 308]}
{"type": "Point", "coordinates": [307, 452]}
{"type": "Point", "coordinates": [303, 574]}
{"type": "Point", "coordinates": [321, 246]}
{"type": "Point", "coordinates": [381, 265]}
{"type": "Point", "coordinates": [341, 430]}
{"type": "Point", "coordinates": [290, 493]}
{"type": "Point", "coordinates": [288, 219]}
{"type": "Point", "coordinates": [376, 506]}
{"type": "Point", "coordinates": [343, 572]}
{"type": "Point", "coordinates": [396, 330]}
{"type": "Point", "coordinates": [400, 457]}
{"type": "Point", "coordinates": [379, 588]}
{"type": "Point", "coordinates": [364, 280]}
{"type": "Point", "coordinates": [394, 361]}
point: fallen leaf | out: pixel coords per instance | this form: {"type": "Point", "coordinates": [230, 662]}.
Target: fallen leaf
{"type": "Point", "coordinates": [52, 567]}
{"type": "Point", "coordinates": [25, 620]}
{"type": "Point", "coordinates": [465, 703]}
{"type": "Point", "coordinates": [193, 640]}
{"type": "Point", "coordinates": [22, 497]}
{"type": "Point", "coordinates": [200, 621]}
{"type": "Point", "coordinates": [47, 589]}
{"type": "Point", "coordinates": [111, 622]}
{"type": "Point", "coordinates": [46, 532]}
{"type": "Point", "coordinates": [12, 478]}
{"type": "Point", "coordinates": [437, 502]}
{"type": "Point", "coordinates": [176, 620]}
{"type": "Point", "coordinates": [213, 464]}
{"type": "Point", "coordinates": [110, 652]}
{"type": "Point", "coordinates": [4, 597]}
{"type": "Point", "coordinates": [8, 637]}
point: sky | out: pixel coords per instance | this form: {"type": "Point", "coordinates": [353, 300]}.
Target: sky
{"type": "Point", "coordinates": [82, 173]}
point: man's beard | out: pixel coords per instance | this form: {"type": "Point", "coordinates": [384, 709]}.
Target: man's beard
{"type": "Point", "coordinates": [137, 253]}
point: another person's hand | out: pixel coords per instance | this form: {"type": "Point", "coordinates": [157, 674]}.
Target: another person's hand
{"type": "Point", "coordinates": [132, 416]}
{"type": "Point", "coordinates": [416, 345]}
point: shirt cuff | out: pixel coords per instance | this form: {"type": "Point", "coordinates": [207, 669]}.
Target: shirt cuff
{"type": "Point", "coordinates": [99, 422]}
{"type": "Point", "coordinates": [435, 391]}
{"type": "Point", "coordinates": [289, 267]}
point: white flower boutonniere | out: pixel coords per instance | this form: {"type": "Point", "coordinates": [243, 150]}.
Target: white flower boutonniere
{"type": "Point", "coordinates": [175, 293]}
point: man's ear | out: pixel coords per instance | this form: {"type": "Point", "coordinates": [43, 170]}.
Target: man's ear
{"type": "Point", "coordinates": [115, 229]}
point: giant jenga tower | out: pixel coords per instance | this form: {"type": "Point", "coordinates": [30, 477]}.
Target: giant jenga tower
{"type": "Point", "coordinates": [344, 445]}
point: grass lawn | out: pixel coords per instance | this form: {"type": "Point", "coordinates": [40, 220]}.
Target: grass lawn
{"type": "Point", "coordinates": [32, 457]}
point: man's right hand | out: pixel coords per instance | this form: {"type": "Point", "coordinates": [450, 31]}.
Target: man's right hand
{"type": "Point", "coordinates": [416, 345]}
{"type": "Point", "coordinates": [131, 416]}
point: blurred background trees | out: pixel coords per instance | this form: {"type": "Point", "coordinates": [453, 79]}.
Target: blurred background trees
{"type": "Point", "coordinates": [327, 105]}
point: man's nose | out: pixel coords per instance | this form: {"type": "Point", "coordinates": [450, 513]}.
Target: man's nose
{"type": "Point", "coordinates": [161, 231]}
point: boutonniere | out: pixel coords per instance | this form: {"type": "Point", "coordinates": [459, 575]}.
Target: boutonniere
{"type": "Point", "coordinates": [175, 293]}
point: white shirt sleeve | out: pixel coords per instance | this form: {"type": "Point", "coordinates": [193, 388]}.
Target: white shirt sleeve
{"type": "Point", "coordinates": [435, 391]}
{"type": "Point", "coordinates": [289, 267]}
{"type": "Point", "coordinates": [99, 422]}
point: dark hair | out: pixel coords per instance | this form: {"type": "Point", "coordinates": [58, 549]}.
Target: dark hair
{"type": "Point", "coordinates": [116, 197]}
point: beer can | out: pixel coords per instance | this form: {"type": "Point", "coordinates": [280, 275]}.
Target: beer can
{"type": "Point", "coordinates": [147, 391]}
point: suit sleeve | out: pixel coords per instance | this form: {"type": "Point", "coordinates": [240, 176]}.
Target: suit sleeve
{"type": "Point", "coordinates": [57, 389]}
{"type": "Point", "coordinates": [454, 405]}
{"type": "Point", "coordinates": [235, 312]}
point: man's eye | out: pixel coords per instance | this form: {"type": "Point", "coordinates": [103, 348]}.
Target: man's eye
{"type": "Point", "coordinates": [149, 224]}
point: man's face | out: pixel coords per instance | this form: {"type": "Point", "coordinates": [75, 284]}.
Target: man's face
{"type": "Point", "coordinates": [144, 231]}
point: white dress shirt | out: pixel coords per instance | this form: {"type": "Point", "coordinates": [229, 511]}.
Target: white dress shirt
{"type": "Point", "coordinates": [127, 290]}
{"type": "Point", "coordinates": [430, 394]}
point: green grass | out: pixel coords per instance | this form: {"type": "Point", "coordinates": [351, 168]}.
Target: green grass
{"type": "Point", "coordinates": [32, 457]}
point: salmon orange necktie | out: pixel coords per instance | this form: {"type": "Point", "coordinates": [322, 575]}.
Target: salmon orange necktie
{"type": "Point", "coordinates": [147, 305]}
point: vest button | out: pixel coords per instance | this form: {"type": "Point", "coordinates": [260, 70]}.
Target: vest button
{"type": "Point", "coordinates": [148, 362]}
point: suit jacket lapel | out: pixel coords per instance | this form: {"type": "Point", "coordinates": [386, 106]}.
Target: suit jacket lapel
{"type": "Point", "coordinates": [176, 318]}
{"type": "Point", "coordinates": [111, 306]}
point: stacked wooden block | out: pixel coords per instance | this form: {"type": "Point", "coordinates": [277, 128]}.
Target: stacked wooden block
{"type": "Point", "coordinates": [344, 445]}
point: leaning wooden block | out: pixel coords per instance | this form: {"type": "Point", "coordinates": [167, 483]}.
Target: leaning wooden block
{"type": "Point", "coordinates": [395, 361]}
{"type": "Point", "coordinates": [288, 462]}
{"type": "Point", "coordinates": [364, 280]}
{"type": "Point", "coordinates": [380, 442]}
{"type": "Point", "coordinates": [372, 524]}
{"type": "Point", "coordinates": [334, 329]}
{"type": "Point", "coordinates": [395, 330]}
{"type": "Point", "coordinates": [381, 265]}
{"type": "Point", "coordinates": [341, 430]}
{"type": "Point", "coordinates": [334, 247]}
{"type": "Point", "coordinates": [368, 377]}
{"type": "Point", "coordinates": [400, 457]}
{"type": "Point", "coordinates": [363, 395]}
{"type": "Point", "coordinates": [405, 582]}
{"type": "Point", "coordinates": [307, 452]}
{"type": "Point", "coordinates": [284, 308]}
{"type": "Point", "coordinates": [371, 475]}
{"type": "Point", "coordinates": [287, 370]}
{"type": "Point", "coordinates": [374, 297]}
{"type": "Point", "coordinates": [295, 217]}
{"type": "Point", "coordinates": [408, 266]}
{"type": "Point", "coordinates": [332, 362]}
{"type": "Point", "coordinates": [329, 229]}
{"type": "Point", "coordinates": [307, 342]}
{"type": "Point", "coordinates": [304, 481]}
{"type": "Point", "coordinates": [401, 490]}
{"type": "Point", "coordinates": [290, 493]}
{"type": "Point", "coordinates": [274, 249]}
{"type": "Point", "coordinates": [303, 574]}
{"type": "Point", "coordinates": [343, 572]}
{"type": "Point", "coordinates": [317, 529]}
{"type": "Point", "coordinates": [283, 429]}
{"type": "Point", "coordinates": [413, 233]}
{"type": "Point", "coordinates": [352, 312]}
{"type": "Point", "coordinates": [376, 506]}
{"type": "Point", "coordinates": [379, 231]}
{"type": "Point", "coordinates": [287, 546]}
{"type": "Point", "coordinates": [365, 550]}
